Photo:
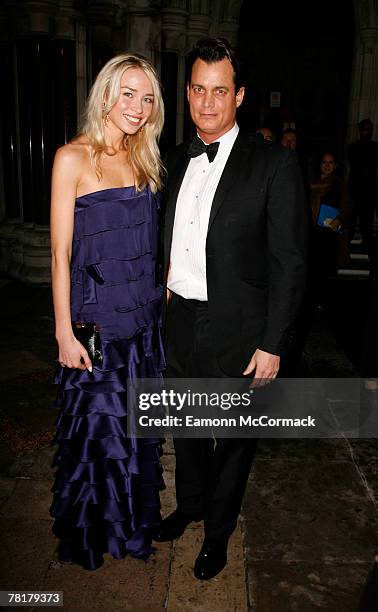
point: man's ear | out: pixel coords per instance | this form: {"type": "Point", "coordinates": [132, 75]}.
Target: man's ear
{"type": "Point", "coordinates": [187, 90]}
{"type": "Point", "coordinates": [239, 96]}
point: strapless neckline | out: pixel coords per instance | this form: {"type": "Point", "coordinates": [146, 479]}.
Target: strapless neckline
{"type": "Point", "coordinates": [85, 195]}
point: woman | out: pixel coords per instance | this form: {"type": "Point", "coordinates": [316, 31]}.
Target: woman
{"type": "Point", "coordinates": [104, 204]}
{"type": "Point", "coordinates": [330, 207]}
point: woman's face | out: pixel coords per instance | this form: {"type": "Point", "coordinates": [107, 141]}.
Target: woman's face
{"type": "Point", "coordinates": [327, 165]}
{"type": "Point", "coordinates": [135, 103]}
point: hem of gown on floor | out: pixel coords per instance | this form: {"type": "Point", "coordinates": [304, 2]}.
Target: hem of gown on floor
{"type": "Point", "coordinates": [106, 490]}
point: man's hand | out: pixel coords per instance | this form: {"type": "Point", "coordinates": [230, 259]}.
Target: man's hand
{"type": "Point", "coordinates": [265, 366]}
{"type": "Point", "coordinates": [169, 292]}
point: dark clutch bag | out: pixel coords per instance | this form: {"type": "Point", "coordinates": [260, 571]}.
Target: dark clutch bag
{"type": "Point", "coordinates": [89, 336]}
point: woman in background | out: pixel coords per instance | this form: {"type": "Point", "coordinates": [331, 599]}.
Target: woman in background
{"type": "Point", "coordinates": [104, 208]}
{"type": "Point", "coordinates": [330, 207]}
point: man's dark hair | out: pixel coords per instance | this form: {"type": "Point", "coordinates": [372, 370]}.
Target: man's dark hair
{"type": "Point", "coordinates": [212, 50]}
{"type": "Point", "coordinates": [364, 124]}
{"type": "Point", "coordinates": [289, 130]}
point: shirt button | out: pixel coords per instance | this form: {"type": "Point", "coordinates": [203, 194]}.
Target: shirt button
{"type": "Point", "coordinates": [186, 249]}
{"type": "Point", "coordinates": [191, 223]}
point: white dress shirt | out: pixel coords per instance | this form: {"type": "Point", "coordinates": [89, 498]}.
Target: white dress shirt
{"type": "Point", "coordinates": [187, 274]}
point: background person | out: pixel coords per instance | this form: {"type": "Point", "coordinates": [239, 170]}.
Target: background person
{"type": "Point", "coordinates": [363, 163]}
{"type": "Point", "coordinates": [289, 139]}
{"type": "Point", "coordinates": [329, 243]}
{"type": "Point", "coordinates": [266, 133]}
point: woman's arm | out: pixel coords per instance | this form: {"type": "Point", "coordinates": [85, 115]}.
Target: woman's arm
{"type": "Point", "coordinates": [65, 178]}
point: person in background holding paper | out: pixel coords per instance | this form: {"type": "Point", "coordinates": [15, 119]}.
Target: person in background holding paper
{"type": "Point", "coordinates": [330, 207]}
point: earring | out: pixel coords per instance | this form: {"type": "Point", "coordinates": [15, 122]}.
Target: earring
{"type": "Point", "coordinates": [106, 119]}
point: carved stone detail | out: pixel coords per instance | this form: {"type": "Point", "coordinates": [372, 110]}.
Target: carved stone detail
{"type": "Point", "coordinates": [100, 12]}
{"type": "Point", "coordinates": [65, 20]}
{"type": "Point", "coordinates": [39, 15]}
{"type": "Point", "coordinates": [173, 24]}
{"type": "Point", "coordinates": [198, 27]}
{"type": "Point", "coordinates": [25, 251]}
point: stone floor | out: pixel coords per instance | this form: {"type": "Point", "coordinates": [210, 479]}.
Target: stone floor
{"type": "Point", "coordinates": [307, 536]}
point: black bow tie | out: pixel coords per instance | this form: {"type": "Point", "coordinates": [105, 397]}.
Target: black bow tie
{"type": "Point", "coordinates": [197, 147]}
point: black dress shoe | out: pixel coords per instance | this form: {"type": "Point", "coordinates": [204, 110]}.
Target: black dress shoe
{"type": "Point", "coordinates": [171, 527]}
{"type": "Point", "coordinates": [211, 559]}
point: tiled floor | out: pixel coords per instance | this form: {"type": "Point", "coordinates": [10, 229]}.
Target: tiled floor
{"type": "Point", "coordinates": [306, 539]}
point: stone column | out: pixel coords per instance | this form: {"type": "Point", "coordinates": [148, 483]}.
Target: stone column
{"type": "Point", "coordinates": [10, 196]}
{"type": "Point", "coordinates": [64, 70]}
{"type": "Point", "coordinates": [199, 23]}
{"type": "Point", "coordinates": [364, 84]}
{"type": "Point", "coordinates": [81, 68]}
{"type": "Point", "coordinates": [143, 29]}
{"type": "Point", "coordinates": [102, 17]}
{"type": "Point", "coordinates": [174, 23]}
{"type": "Point", "coordinates": [24, 242]}
{"type": "Point", "coordinates": [35, 69]}
{"type": "Point", "coordinates": [228, 20]}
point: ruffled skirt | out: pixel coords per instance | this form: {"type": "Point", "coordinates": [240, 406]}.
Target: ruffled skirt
{"type": "Point", "coordinates": [106, 490]}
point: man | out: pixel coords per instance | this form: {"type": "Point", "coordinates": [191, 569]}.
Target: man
{"type": "Point", "coordinates": [266, 133]}
{"type": "Point", "coordinates": [363, 162]}
{"type": "Point", "coordinates": [289, 139]}
{"type": "Point", "coordinates": [234, 263]}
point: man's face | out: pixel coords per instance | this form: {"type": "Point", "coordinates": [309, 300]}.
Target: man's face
{"type": "Point", "coordinates": [212, 98]}
{"type": "Point", "coordinates": [366, 133]}
{"type": "Point", "coordinates": [289, 141]}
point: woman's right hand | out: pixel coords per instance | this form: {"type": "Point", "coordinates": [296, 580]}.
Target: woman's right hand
{"type": "Point", "coordinates": [72, 354]}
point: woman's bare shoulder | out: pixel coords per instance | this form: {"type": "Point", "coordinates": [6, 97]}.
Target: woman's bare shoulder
{"type": "Point", "coordinates": [75, 153]}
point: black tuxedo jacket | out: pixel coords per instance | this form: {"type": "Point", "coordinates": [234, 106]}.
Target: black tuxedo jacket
{"type": "Point", "coordinates": [255, 248]}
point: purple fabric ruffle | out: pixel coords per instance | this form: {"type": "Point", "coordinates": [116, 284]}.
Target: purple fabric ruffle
{"type": "Point", "coordinates": [106, 489]}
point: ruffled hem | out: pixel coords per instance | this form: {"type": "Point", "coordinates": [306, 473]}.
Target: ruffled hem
{"type": "Point", "coordinates": [106, 489]}
{"type": "Point", "coordinates": [138, 545]}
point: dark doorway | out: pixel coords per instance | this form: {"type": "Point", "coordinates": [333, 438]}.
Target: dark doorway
{"type": "Point", "coordinates": [304, 51]}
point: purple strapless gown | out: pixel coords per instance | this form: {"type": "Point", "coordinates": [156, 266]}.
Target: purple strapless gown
{"type": "Point", "coordinates": [106, 491]}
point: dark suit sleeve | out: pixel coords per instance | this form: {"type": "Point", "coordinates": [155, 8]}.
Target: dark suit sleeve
{"type": "Point", "coordinates": [287, 230]}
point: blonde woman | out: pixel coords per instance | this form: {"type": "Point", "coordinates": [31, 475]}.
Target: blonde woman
{"type": "Point", "coordinates": [104, 208]}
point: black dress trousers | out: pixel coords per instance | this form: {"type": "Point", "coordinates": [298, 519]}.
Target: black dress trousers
{"type": "Point", "coordinates": [211, 474]}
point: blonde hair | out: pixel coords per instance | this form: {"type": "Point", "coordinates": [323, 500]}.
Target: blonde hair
{"type": "Point", "coordinates": [142, 147]}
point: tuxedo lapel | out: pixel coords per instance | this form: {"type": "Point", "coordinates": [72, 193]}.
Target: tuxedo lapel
{"type": "Point", "coordinates": [229, 176]}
